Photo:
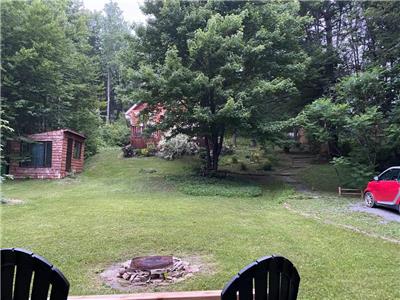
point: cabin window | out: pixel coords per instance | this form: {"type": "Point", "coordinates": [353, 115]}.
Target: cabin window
{"type": "Point", "coordinates": [77, 150]}
{"type": "Point", "coordinates": [36, 155]}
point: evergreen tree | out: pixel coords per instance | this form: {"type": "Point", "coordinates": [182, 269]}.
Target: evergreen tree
{"type": "Point", "coordinates": [49, 80]}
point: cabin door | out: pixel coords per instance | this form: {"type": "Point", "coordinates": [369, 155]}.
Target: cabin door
{"type": "Point", "coordinates": [69, 155]}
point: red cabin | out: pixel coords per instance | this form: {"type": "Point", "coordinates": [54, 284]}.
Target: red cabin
{"type": "Point", "coordinates": [50, 155]}
{"type": "Point", "coordinates": [139, 121]}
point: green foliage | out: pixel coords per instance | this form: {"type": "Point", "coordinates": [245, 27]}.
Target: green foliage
{"type": "Point", "coordinates": [49, 78]}
{"type": "Point", "coordinates": [243, 167]}
{"type": "Point", "coordinates": [144, 152]}
{"type": "Point", "coordinates": [255, 156]}
{"type": "Point", "coordinates": [5, 131]}
{"type": "Point", "coordinates": [217, 68]}
{"type": "Point", "coordinates": [212, 186]}
{"type": "Point", "coordinates": [351, 173]}
{"type": "Point", "coordinates": [323, 120]}
{"type": "Point", "coordinates": [362, 90]}
{"type": "Point", "coordinates": [114, 134]}
{"type": "Point", "coordinates": [110, 31]}
{"type": "Point", "coordinates": [267, 165]}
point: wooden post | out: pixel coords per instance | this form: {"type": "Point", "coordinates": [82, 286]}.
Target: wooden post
{"type": "Point", "coordinates": [340, 191]}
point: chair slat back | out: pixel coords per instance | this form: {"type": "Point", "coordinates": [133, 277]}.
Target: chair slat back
{"type": "Point", "coordinates": [269, 278]}
{"type": "Point", "coordinates": [25, 275]}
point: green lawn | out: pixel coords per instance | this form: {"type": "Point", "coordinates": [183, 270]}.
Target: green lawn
{"type": "Point", "coordinates": [118, 209]}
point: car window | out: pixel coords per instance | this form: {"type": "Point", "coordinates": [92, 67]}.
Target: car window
{"type": "Point", "coordinates": [392, 174]}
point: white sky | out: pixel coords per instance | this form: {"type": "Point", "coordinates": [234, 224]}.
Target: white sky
{"type": "Point", "coordinates": [130, 8]}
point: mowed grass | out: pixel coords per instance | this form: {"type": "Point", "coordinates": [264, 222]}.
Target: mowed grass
{"type": "Point", "coordinates": [114, 211]}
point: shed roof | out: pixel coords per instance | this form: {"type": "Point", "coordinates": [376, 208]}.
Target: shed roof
{"type": "Point", "coordinates": [62, 130]}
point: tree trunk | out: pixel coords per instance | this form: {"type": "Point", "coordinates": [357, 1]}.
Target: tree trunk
{"type": "Point", "coordinates": [208, 161]}
{"type": "Point", "coordinates": [213, 151]}
{"type": "Point", "coordinates": [234, 138]}
{"type": "Point", "coordinates": [253, 143]}
{"type": "Point", "coordinates": [108, 95]}
{"type": "Point", "coordinates": [330, 67]}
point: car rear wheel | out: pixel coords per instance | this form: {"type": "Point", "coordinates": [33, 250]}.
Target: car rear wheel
{"type": "Point", "coordinates": [369, 199]}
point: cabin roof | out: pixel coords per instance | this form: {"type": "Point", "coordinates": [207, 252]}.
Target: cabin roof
{"type": "Point", "coordinates": [62, 130]}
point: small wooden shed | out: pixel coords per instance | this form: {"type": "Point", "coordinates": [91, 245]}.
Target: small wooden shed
{"type": "Point", "coordinates": [50, 155]}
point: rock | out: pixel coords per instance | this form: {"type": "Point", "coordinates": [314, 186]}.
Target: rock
{"type": "Point", "coordinates": [121, 271]}
{"type": "Point", "coordinates": [126, 276]}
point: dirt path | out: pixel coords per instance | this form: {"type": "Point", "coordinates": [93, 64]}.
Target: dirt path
{"type": "Point", "coordinates": [291, 165]}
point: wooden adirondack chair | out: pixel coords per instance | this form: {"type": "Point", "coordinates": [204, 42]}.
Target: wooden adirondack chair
{"type": "Point", "coordinates": [270, 278]}
{"type": "Point", "coordinates": [24, 265]}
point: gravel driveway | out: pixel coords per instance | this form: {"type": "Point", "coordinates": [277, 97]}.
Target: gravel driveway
{"type": "Point", "coordinates": [389, 215]}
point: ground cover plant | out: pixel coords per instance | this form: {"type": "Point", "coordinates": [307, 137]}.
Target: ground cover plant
{"type": "Point", "coordinates": [115, 210]}
{"type": "Point", "coordinates": [213, 186]}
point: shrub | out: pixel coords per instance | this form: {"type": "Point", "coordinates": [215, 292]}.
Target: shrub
{"type": "Point", "coordinates": [114, 134]}
{"type": "Point", "coordinates": [129, 151]}
{"type": "Point", "coordinates": [227, 150]}
{"type": "Point", "coordinates": [151, 148]}
{"type": "Point", "coordinates": [234, 160]}
{"type": "Point", "coordinates": [267, 165]}
{"type": "Point", "coordinates": [176, 147]}
{"type": "Point", "coordinates": [144, 152]}
{"type": "Point", "coordinates": [255, 156]}
{"type": "Point", "coordinates": [243, 167]}
{"type": "Point", "coordinates": [352, 174]}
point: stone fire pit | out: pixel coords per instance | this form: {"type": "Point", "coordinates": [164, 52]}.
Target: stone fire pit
{"type": "Point", "coordinates": [148, 270]}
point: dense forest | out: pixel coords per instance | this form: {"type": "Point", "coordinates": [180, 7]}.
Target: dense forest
{"type": "Point", "coordinates": [255, 68]}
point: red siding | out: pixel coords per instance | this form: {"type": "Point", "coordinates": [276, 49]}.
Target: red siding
{"type": "Point", "coordinates": [58, 160]}
{"type": "Point", "coordinates": [137, 139]}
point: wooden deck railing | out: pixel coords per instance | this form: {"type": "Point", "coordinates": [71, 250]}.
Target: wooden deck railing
{"type": "Point", "coordinates": [193, 295]}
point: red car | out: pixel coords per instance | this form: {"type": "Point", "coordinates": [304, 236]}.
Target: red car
{"type": "Point", "coordinates": [384, 190]}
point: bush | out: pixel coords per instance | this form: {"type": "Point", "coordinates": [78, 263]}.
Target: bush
{"type": "Point", "coordinates": [144, 152]}
{"type": "Point", "coordinates": [176, 147]}
{"type": "Point", "coordinates": [267, 165]}
{"type": "Point", "coordinates": [152, 149]}
{"type": "Point", "coordinates": [352, 174]}
{"type": "Point", "coordinates": [114, 134]}
{"type": "Point", "coordinates": [227, 150]}
{"type": "Point", "coordinates": [234, 160]}
{"type": "Point", "coordinates": [129, 151]}
{"type": "Point", "coordinates": [255, 156]}
{"type": "Point", "coordinates": [243, 167]}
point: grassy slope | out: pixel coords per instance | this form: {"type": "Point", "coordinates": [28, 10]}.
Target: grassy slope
{"type": "Point", "coordinates": [113, 212]}
{"type": "Point", "coordinates": [321, 177]}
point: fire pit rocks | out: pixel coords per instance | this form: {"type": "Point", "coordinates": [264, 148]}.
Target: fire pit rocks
{"type": "Point", "coordinates": [148, 270]}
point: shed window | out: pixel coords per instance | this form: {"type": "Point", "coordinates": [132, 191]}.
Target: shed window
{"type": "Point", "coordinates": [77, 150]}
{"type": "Point", "coordinates": [36, 155]}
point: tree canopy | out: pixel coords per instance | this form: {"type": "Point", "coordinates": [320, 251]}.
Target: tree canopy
{"type": "Point", "coordinates": [218, 66]}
